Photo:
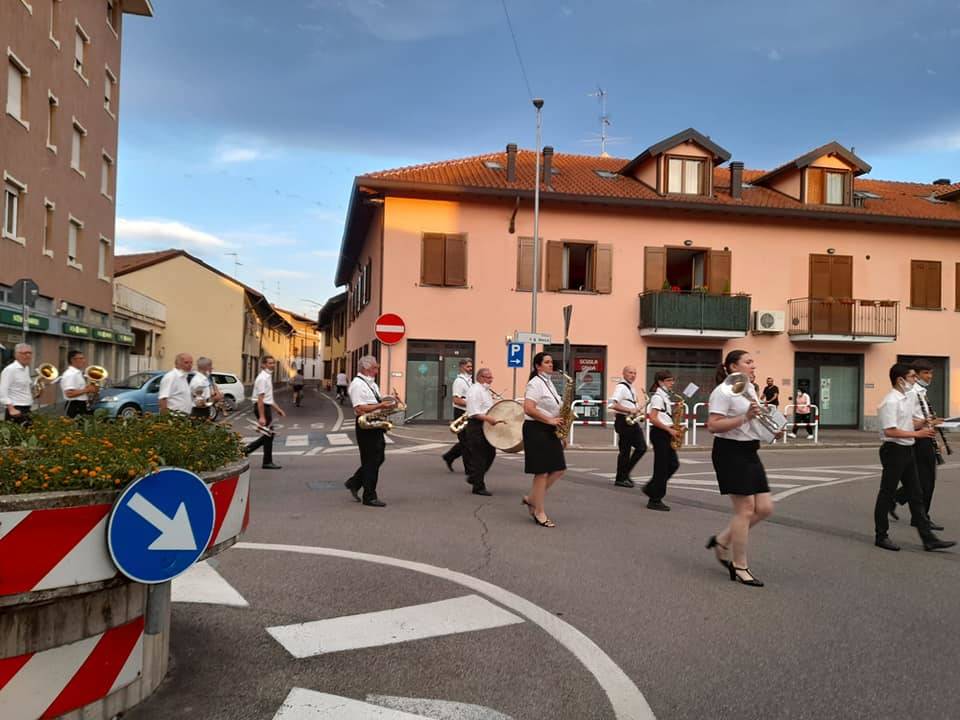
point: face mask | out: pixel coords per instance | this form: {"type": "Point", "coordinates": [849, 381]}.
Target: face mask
{"type": "Point", "coordinates": [921, 383]}
{"type": "Point", "coordinates": [907, 386]}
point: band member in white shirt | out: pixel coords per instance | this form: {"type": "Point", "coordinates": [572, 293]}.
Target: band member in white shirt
{"type": "Point", "coordinates": [662, 435]}
{"type": "Point", "coordinates": [76, 390]}
{"type": "Point", "coordinates": [263, 408]}
{"type": "Point", "coordinates": [740, 474]}
{"type": "Point", "coordinates": [461, 385]}
{"type": "Point", "coordinates": [629, 437]}
{"type": "Point", "coordinates": [16, 387]}
{"type": "Point", "coordinates": [365, 398]}
{"type": "Point", "coordinates": [202, 389]}
{"type": "Point", "coordinates": [899, 430]}
{"type": "Point", "coordinates": [477, 450]}
{"type": "Point", "coordinates": [174, 395]}
{"type": "Point", "coordinates": [542, 449]}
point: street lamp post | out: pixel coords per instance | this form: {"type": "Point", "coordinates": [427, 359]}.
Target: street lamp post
{"type": "Point", "coordinates": [538, 104]}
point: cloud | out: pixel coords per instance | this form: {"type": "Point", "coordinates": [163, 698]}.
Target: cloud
{"type": "Point", "coordinates": [567, 11]}
{"type": "Point", "coordinates": [260, 239]}
{"type": "Point", "coordinates": [281, 273]}
{"type": "Point", "coordinates": [415, 20]}
{"type": "Point", "coordinates": [774, 56]}
{"type": "Point", "coordinates": [931, 71]}
{"type": "Point", "coordinates": [153, 233]}
{"type": "Point", "coordinates": [326, 253]}
{"type": "Point", "coordinates": [944, 140]}
{"type": "Point", "coordinates": [237, 155]}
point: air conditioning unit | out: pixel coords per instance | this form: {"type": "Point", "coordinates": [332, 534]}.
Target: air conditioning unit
{"type": "Point", "coordinates": [769, 321]}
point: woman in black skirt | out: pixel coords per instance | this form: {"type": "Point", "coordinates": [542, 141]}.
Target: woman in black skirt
{"type": "Point", "coordinates": [740, 473]}
{"type": "Point", "coordinates": [662, 434]}
{"type": "Point", "coordinates": [542, 449]}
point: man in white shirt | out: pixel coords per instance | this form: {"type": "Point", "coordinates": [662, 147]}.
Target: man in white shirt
{"type": "Point", "coordinates": [461, 385]}
{"type": "Point", "coordinates": [341, 386]}
{"type": "Point", "coordinates": [202, 390]}
{"type": "Point", "coordinates": [263, 408]}
{"type": "Point", "coordinates": [629, 437]}
{"type": "Point", "coordinates": [74, 386]}
{"type": "Point", "coordinates": [16, 387]}
{"type": "Point", "coordinates": [174, 393]}
{"type": "Point", "coordinates": [898, 430]}
{"type": "Point", "coordinates": [365, 398]}
{"type": "Point", "coordinates": [478, 453]}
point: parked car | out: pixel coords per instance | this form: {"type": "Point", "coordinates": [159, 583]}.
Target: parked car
{"type": "Point", "coordinates": [139, 393]}
{"type": "Point", "coordinates": [232, 389]}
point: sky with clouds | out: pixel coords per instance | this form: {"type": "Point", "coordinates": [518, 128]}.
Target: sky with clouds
{"type": "Point", "coordinates": [243, 123]}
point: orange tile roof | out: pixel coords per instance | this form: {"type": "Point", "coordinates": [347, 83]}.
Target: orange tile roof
{"type": "Point", "coordinates": [123, 264]}
{"type": "Point", "coordinates": [577, 177]}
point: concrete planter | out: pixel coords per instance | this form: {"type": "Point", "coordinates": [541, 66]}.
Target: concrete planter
{"type": "Point", "coordinates": [77, 639]}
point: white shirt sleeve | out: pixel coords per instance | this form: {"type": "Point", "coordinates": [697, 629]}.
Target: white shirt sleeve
{"type": "Point", "coordinates": [166, 385]}
{"type": "Point", "coordinates": [361, 394]}
{"type": "Point", "coordinates": [621, 395]}
{"type": "Point", "coordinates": [719, 403]}
{"type": "Point", "coordinates": [72, 379]}
{"type": "Point", "coordinates": [887, 413]}
{"type": "Point", "coordinates": [460, 387]}
{"type": "Point", "coordinates": [5, 378]}
{"type": "Point", "coordinates": [658, 403]}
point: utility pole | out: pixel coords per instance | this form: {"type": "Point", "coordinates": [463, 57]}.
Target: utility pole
{"type": "Point", "coordinates": [538, 104]}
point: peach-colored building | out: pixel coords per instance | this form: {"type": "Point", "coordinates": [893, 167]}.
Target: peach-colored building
{"type": "Point", "coordinates": [669, 260]}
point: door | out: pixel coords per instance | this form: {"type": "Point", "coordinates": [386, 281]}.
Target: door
{"type": "Point", "coordinates": [423, 388]}
{"type": "Point", "coordinates": [831, 285]}
{"type": "Point", "coordinates": [839, 395]}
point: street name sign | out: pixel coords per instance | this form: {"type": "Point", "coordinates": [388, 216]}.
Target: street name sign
{"type": "Point", "coordinates": [533, 338]}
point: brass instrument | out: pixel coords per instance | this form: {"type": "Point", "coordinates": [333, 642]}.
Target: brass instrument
{"type": "Point", "coordinates": [46, 374]}
{"type": "Point", "coordinates": [640, 411]}
{"type": "Point", "coordinates": [679, 416]}
{"type": "Point", "coordinates": [566, 415]}
{"type": "Point", "coordinates": [939, 438]}
{"type": "Point", "coordinates": [95, 375]}
{"type": "Point", "coordinates": [770, 420]}
{"type": "Point", "coordinates": [377, 420]}
{"type": "Point", "coordinates": [457, 426]}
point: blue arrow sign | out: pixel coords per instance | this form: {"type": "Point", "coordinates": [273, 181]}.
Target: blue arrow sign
{"type": "Point", "coordinates": [514, 355]}
{"type": "Point", "coordinates": [160, 525]}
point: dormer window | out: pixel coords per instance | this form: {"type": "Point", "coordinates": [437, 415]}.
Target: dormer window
{"type": "Point", "coordinates": [826, 187]}
{"type": "Point", "coordinates": [685, 176]}
{"type": "Point", "coordinates": [824, 176]}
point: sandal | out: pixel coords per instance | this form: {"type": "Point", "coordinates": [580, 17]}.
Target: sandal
{"type": "Point", "coordinates": [547, 522]}
{"type": "Point", "coordinates": [711, 544]}
{"type": "Point", "coordinates": [751, 581]}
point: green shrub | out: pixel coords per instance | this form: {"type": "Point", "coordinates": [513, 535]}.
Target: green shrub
{"type": "Point", "coordinates": [94, 453]}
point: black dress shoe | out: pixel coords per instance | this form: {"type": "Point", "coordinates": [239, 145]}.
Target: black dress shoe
{"type": "Point", "coordinates": [482, 491]}
{"type": "Point", "coordinates": [658, 505]}
{"type": "Point", "coordinates": [624, 483]}
{"type": "Point", "coordinates": [935, 543]}
{"type": "Point", "coordinates": [374, 503]}
{"type": "Point", "coordinates": [449, 464]}
{"type": "Point", "coordinates": [934, 526]}
{"type": "Point", "coordinates": [893, 515]}
{"type": "Point", "coordinates": [886, 543]}
{"type": "Point", "coordinates": [271, 466]}
{"type": "Point", "coordinates": [353, 491]}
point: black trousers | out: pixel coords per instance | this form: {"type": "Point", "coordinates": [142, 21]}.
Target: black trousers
{"type": "Point", "coordinates": [925, 453]}
{"type": "Point", "coordinates": [22, 419]}
{"type": "Point", "coordinates": [372, 445]}
{"type": "Point", "coordinates": [804, 418]}
{"type": "Point", "coordinates": [77, 407]}
{"type": "Point", "coordinates": [457, 450]}
{"type": "Point", "coordinates": [899, 466]}
{"type": "Point", "coordinates": [632, 446]}
{"type": "Point", "coordinates": [478, 454]}
{"type": "Point", "coordinates": [203, 413]}
{"type": "Point", "coordinates": [264, 441]}
{"type": "Point", "coordinates": [665, 464]}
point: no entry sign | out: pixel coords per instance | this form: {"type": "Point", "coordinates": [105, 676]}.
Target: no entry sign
{"type": "Point", "coordinates": [390, 329]}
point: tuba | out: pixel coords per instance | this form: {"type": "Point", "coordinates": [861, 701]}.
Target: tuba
{"type": "Point", "coordinates": [95, 375]}
{"type": "Point", "coordinates": [46, 374]}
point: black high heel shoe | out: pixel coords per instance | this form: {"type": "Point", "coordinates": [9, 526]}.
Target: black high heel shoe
{"type": "Point", "coordinates": [712, 543]}
{"type": "Point", "coordinates": [752, 582]}
{"type": "Point", "coordinates": [529, 506]}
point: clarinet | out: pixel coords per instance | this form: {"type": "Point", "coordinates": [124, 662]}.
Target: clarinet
{"type": "Point", "coordinates": [928, 413]}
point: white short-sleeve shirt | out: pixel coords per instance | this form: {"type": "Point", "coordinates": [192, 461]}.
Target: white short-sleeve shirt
{"type": "Point", "coordinates": [479, 400]}
{"type": "Point", "coordinates": [897, 411]}
{"type": "Point", "coordinates": [541, 390]}
{"type": "Point", "coordinates": [363, 391]}
{"type": "Point", "coordinates": [72, 379]}
{"type": "Point", "coordinates": [200, 387]}
{"type": "Point", "coordinates": [723, 403]}
{"type": "Point", "coordinates": [263, 385]}
{"type": "Point", "coordinates": [624, 395]}
{"type": "Point", "coordinates": [175, 390]}
{"type": "Point", "coordinates": [661, 401]}
{"type": "Point", "coordinates": [461, 386]}
{"type": "Point", "coordinates": [16, 386]}
{"type": "Point", "coordinates": [341, 379]}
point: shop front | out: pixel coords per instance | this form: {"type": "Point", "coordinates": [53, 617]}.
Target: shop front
{"type": "Point", "coordinates": [834, 382]}
{"type": "Point", "coordinates": [432, 366]}
{"type": "Point", "coordinates": [588, 366]}
{"type": "Point", "coordinates": [688, 365]}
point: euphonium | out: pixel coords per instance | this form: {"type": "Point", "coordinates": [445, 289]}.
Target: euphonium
{"type": "Point", "coordinates": [46, 374]}
{"type": "Point", "coordinates": [739, 384]}
{"type": "Point", "coordinates": [457, 426]}
{"type": "Point", "coordinates": [635, 417]}
{"type": "Point", "coordinates": [377, 420]}
{"type": "Point", "coordinates": [95, 375]}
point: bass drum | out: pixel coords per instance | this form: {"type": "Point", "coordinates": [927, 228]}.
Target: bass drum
{"type": "Point", "coordinates": [507, 435]}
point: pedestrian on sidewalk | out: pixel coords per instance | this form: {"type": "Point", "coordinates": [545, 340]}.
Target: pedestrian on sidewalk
{"type": "Point", "coordinates": [460, 387]}
{"type": "Point", "coordinates": [629, 436]}
{"type": "Point", "coordinates": [263, 408]}
{"type": "Point", "coordinates": [802, 412]}
{"type": "Point", "coordinates": [771, 393]}
{"type": "Point", "coordinates": [662, 435]}
{"type": "Point", "coordinates": [899, 431]}
{"type": "Point", "coordinates": [740, 474]}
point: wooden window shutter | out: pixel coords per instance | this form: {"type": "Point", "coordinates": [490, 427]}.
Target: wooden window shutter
{"type": "Point", "coordinates": [603, 269]}
{"type": "Point", "coordinates": [848, 189]}
{"type": "Point", "coordinates": [455, 261]}
{"type": "Point", "coordinates": [820, 277]}
{"type": "Point", "coordinates": [815, 184]}
{"type": "Point", "coordinates": [932, 285]}
{"type": "Point", "coordinates": [654, 268]}
{"type": "Point", "coordinates": [368, 282]}
{"type": "Point", "coordinates": [554, 265]}
{"type": "Point", "coordinates": [719, 266]}
{"type": "Point", "coordinates": [525, 263]}
{"type": "Point", "coordinates": [431, 259]}
{"type": "Point", "coordinates": [918, 270]}
{"type": "Point", "coordinates": [841, 276]}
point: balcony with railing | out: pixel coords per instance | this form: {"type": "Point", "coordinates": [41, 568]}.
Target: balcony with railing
{"type": "Point", "coordinates": [694, 314]}
{"type": "Point", "coordinates": [842, 320]}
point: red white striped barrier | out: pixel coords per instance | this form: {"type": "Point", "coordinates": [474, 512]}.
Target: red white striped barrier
{"type": "Point", "coordinates": [60, 547]}
{"type": "Point", "coordinates": [53, 682]}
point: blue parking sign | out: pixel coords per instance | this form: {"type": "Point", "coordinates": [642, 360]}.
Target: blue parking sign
{"type": "Point", "coordinates": [514, 355]}
{"type": "Point", "coordinates": [160, 525]}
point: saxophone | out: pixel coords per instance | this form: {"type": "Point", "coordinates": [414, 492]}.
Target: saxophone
{"type": "Point", "coordinates": [678, 415]}
{"type": "Point", "coordinates": [378, 419]}
{"type": "Point", "coordinates": [566, 408]}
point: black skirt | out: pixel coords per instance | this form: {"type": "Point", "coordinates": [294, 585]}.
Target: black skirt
{"type": "Point", "coordinates": [738, 467]}
{"type": "Point", "coordinates": [542, 449]}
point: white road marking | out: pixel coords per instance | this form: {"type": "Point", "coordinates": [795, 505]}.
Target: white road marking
{"type": "Point", "coordinates": [295, 426]}
{"type": "Point", "coordinates": [389, 627]}
{"type": "Point", "coordinates": [249, 439]}
{"type": "Point", "coordinates": [315, 451]}
{"type": "Point", "coordinates": [311, 705]}
{"type": "Point", "coordinates": [580, 469]}
{"type": "Point", "coordinates": [202, 584]}
{"type": "Point", "coordinates": [298, 440]}
{"type": "Point", "coordinates": [437, 709]}
{"type": "Point", "coordinates": [277, 452]}
{"type": "Point", "coordinates": [347, 448]}
{"type": "Point", "coordinates": [418, 448]}
{"type": "Point", "coordinates": [688, 461]}
{"type": "Point", "coordinates": [713, 483]}
{"type": "Point", "coordinates": [606, 475]}
{"type": "Point", "coordinates": [809, 478]}
{"type": "Point", "coordinates": [625, 697]}
{"type": "Point", "coordinates": [339, 439]}
{"type": "Point", "coordinates": [388, 440]}
{"type": "Point", "coordinates": [802, 488]}
{"type": "Point", "coordinates": [317, 426]}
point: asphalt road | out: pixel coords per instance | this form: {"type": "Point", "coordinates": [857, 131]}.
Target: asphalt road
{"type": "Point", "coordinates": [622, 596]}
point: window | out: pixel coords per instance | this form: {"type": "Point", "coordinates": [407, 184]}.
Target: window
{"type": "Point", "coordinates": [52, 104]}
{"type": "Point", "coordinates": [13, 192]}
{"type": "Point", "coordinates": [925, 284]}
{"type": "Point", "coordinates": [443, 260]}
{"type": "Point", "coordinates": [579, 266]}
{"type": "Point", "coordinates": [109, 82]}
{"type": "Point", "coordinates": [48, 209]}
{"type": "Point", "coordinates": [686, 270]}
{"type": "Point", "coordinates": [17, 74]}
{"type": "Point", "coordinates": [79, 46]}
{"type": "Point", "coordinates": [103, 259]}
{"type": "Point", "coordinates": [106, 175]}
{"type": "Point", "coordinates": [685, 176]}
{"type": "Point", "coordinates": [73, 242]}
{"type": "Point", "coordinates": [834, 190]}
{"type": "Point", "coordinates": [827, 187]}
{"type": "Point", "coordinates": [76, 149]}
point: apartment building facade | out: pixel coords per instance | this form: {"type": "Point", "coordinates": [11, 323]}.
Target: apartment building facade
{"type": "Point", "coordinates": [669, 259]}
{"type": "Point", "coordinates": [58, 159]}
{"type": "Point", "coordinates": [332, 321]}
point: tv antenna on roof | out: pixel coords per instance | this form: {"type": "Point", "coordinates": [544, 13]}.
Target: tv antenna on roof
{"type": "Point", "coordinates": [236, 262]}
{"type": "Point", "coordinates": [601, 95]}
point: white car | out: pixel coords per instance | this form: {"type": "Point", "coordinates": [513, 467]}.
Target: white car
{"type": "Point", "coordinates": [231, 387]}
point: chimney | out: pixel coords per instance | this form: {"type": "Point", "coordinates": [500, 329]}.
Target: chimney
{"type": "Point", "coordinates": [547, 165]}
{"type": "Point", "coordinates": [511, 162]}
{"type": "Point", "coordinates": [942, 181]}
{"type": "Point", "coordinates": [736, 180]}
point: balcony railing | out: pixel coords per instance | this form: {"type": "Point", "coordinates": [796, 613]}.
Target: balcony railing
{"type": "Point", "coordinates": [663, 312]}
{"type": "Point", "coordinates": [852, 319]}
